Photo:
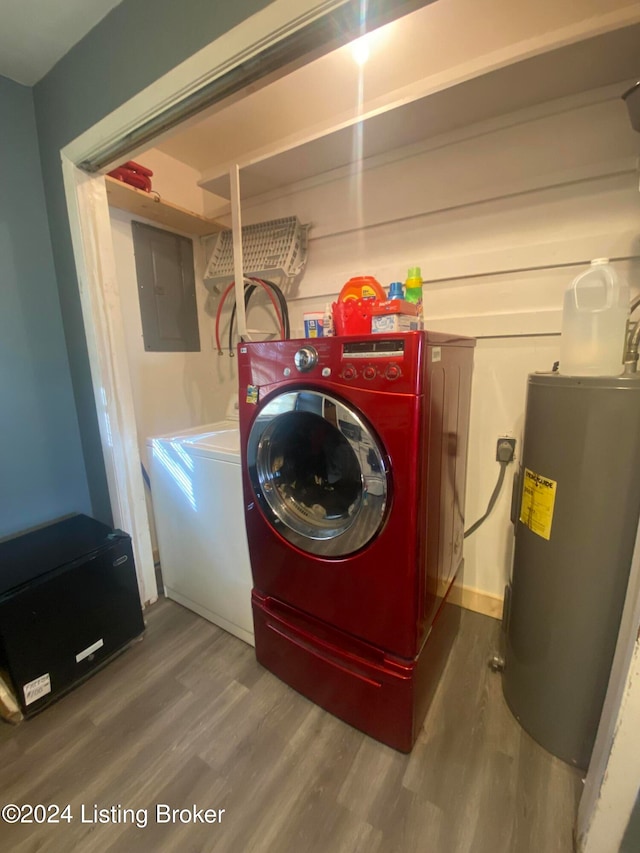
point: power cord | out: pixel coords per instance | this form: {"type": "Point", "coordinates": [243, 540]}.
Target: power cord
{"type": "Point", "coordinates": [505, 451]}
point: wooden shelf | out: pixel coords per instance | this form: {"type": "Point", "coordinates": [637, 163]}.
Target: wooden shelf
{"type": "Point", "coordinates": [151, 206]}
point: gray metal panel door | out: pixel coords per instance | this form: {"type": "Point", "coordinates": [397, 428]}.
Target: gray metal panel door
{"type": "Point", "coordinates": [166, 289]}
{"type": "Point", "coordinates": [571, 564]}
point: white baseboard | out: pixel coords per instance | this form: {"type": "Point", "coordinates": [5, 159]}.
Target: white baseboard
{"type": "Point", "coordinates": [475, 599]}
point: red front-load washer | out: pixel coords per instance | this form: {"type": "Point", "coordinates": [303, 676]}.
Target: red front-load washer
{"type": "Point", "coordinates": [354, 460]}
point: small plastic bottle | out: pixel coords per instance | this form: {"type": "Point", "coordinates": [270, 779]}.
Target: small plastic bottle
{"type": "Point", "coordinates": [594, 322]}
{"type": "Point", "coordinates": [327, 325]}
{"type": "Point", "coordinates": [395, 290]}
{"type": "Point", "coordinates": [413, 286]}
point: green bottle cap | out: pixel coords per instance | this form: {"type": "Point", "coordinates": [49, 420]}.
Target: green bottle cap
{"type": "Point", "coordinates": [414, 272]}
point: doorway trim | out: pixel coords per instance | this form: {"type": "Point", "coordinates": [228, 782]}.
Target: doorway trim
{"type": "Point", "coordinates": [112, 389]}
{"type": "Point", "coordinates": [88, 211]}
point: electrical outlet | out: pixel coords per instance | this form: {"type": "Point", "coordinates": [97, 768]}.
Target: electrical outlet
{"type": "Point", "coordinates": [505, 449]}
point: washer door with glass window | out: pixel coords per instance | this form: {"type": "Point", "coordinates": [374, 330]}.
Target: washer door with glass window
{"type": "Point", "coordinates": [318, 472]}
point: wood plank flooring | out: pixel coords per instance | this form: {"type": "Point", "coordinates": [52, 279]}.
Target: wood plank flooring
{"type": "Point", "coordinates": [187, 717]}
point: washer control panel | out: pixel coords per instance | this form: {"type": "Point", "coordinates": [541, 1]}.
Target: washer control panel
{"type": "Point", "coordinates": [394, 363]}
{"type": "Point", "coordinates": [372, 360]}
{"type": "Point", "coordinates": [373, 363]}
{"type": "Point", "coordinates": [369, 372]}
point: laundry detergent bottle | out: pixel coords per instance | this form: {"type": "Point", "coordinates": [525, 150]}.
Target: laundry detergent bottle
{"type": "Point", "coordinates": [594, 322]}
{"type": "Point", "coordinates": [396, 290]}
{"type": "Point", "coordinates": [413, 286]}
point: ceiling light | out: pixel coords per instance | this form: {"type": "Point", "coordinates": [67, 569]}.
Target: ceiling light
{"type": "Point", "coordinates": [360, 50]}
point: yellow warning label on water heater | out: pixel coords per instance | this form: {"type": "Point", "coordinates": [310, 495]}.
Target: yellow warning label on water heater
{"type": "Point", "coordinates": [538, 498]}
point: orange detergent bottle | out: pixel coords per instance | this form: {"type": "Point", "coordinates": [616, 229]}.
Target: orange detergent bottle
{"type": "Point", "coordinates": [362, 287]}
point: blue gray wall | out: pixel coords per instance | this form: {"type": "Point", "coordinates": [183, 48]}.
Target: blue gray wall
{"type": "Point", "coordinates": [139, 41]}
{"type": "Point", "coordinates": [42, 473]}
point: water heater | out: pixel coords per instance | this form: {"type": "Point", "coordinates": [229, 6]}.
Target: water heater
{"type": "Point", "coordinates": [576, 513]}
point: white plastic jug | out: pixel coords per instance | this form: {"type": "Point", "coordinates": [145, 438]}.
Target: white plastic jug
{"type": "Point", "coordinates": [594, 323]}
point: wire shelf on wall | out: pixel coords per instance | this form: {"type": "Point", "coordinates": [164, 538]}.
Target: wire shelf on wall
{"type": "Point", "coordinates": [277, 248]}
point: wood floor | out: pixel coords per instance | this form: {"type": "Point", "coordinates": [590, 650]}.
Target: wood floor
{"type": "Point", "coordinates": [187, 717]}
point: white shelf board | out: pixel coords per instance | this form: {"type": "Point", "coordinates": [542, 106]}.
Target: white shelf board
{"type": "Point", "coordinates": [596, 62]}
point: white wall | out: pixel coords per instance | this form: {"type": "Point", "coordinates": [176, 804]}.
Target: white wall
{"type": "Point", "coordinates": [175, 181]}
{"type": "Point", "coordinates": [500, 217]}
{"type": "Point", "coordinates": [172, 390]}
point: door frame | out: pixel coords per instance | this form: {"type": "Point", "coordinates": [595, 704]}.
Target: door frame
{"type": "Point", "coordinates": [88, 211]}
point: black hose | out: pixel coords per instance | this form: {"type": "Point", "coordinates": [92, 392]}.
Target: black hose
{"type": "Point", "coordinates": [248, 293]}
{"type": "Point", "coordinates": [249, 290]}
{"type": "Point", "coordinates": [284, 308]}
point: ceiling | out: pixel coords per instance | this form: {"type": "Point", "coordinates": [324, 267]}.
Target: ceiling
{"type": "Point", "coordinates": [598, 62]}
{"type": "Point", "coordinates": [35, 34]}
{"type": "Point", "coordinates": [261, 132]}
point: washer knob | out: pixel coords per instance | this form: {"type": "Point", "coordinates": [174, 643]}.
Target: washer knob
{"type": "Point", "coordinates": [369, 372]}
{"type": "Point", "coordinates": [392, 372]}
{"type": "Point", "coordinates": [305, 359]}
{"type": "Point", "coordinates": [349, 372]}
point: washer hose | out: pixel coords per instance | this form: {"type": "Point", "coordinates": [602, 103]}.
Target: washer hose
{"type": "Point", "coordinates": [279, 306]}
{"type": "Point", "coordinates": [282, 314]}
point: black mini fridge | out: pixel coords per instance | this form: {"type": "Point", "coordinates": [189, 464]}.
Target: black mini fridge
{"type": "Point", "coordinates": [69, 602]}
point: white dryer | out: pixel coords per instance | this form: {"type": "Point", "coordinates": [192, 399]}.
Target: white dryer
{"type": "Point", "coordinates": [196, 488]}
